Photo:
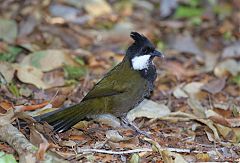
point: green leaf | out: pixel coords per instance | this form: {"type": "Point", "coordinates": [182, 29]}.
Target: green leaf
{"type": "Point", "coordinates": [10, 53]}
{"type": "Point", "coordinates": [236, 79]}
{"type": "Point", "coordinates": [196, 21]}
{"type": "Point", "coordinates": [235, 111]}
{"type": "Point", "coordinates": [35, 60]}
{"type": "Point", "coordinates": [8, 30]}
{"type": "Point", "coordinates": [227, 35]}
{"type": "Point", "coordinates": [161, 46]}
{"type": "Point", "coordinates": [194, 3]}
{"type": "Point", "coordinates": [13, 89]}
{"type": "Point", "coordinates": [73, 72]}
{"type": "Point", "coordinates": [7, 158]}
{"type": "Point", "coordinates": [222, 10]}
{"type": "Point", "coordinates": [188, 12]}
{"type": "Point", "coordinates": [135, 158]}
{"type": "Point", "coordinates": [80, 61]}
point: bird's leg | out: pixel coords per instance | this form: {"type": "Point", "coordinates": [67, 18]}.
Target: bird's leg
{"type": "Point", "coordinates": [134, 127]}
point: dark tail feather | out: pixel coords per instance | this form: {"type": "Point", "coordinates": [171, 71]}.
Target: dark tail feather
{"type": "Point", "coordinates": [63, 119]}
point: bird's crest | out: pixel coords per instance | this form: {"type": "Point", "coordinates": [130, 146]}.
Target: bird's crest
{"type": "Point", "coordinates": [139, 39]}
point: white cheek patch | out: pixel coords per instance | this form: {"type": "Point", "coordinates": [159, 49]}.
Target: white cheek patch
{"type": "Point", "coordinates": [140, 62]}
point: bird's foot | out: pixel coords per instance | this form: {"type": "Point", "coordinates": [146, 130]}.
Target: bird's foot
{"type": "Point", "coordinates": [134, 127]}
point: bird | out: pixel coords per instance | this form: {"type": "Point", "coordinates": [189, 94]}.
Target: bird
{"type": "Point", "coordinates": [119, 91]}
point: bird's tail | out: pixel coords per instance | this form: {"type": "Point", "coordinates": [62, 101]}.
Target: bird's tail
{"type": "Point", "coordinates": [64, 118]}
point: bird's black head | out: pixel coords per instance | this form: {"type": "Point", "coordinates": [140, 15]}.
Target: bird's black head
{"type": "Point", "coordinates": [141, 52]}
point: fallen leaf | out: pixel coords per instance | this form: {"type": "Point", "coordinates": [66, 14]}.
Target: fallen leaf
{"type": "Point", "coordinates": [179, 92]}
{"type": "Point", "coordinates": [197, 108]}
{"type": "Point", "coordinates": [167, 7]}
{"type": "Point", "coordinates": [67, 13]}
{"type": "Point", "coordinates": [7, 158]}
{"type": "Point", "coordinates": [210, 136]}
{"type": "Point", "coordinates": [9, 52]}
{"type": "Point", "coordinates": [193, 88]}
{"type": "Point", "coordinates": [43, 147]}
{"type": "Point", "coordinates": [188, 12]}
{"type": "Point", "coordinates": [5, 106]}
{"type": "Point", "coordinates": [172, 157]}
{"type": "Point", "coordinates": [227, 66]}
{"type": "Point", "coordinates": [80, 138]}
{"type": "Point", "coordinates": [97, 7]}
{"type": "Point", "coordinates": [54, 78]}
{"type": "Point", "coordinates": [68, 143]}
{"type": "Point", "coordinates": [114, 136]}
{"type": "Point", "coordinates": [234, 122]}
{"type": "Point", "coordinates": [178, 69]}
{"type": "Point", "coordinates": [8, 30]}
{"type": "Point", "coordinates": [7, 70]}
{"type": "Point", "coordinates": [211, 59]}
{"type": "Point", "coordinates": [81, 125]}
{"type": "Point", "coordinates": [179, 43]}
{"type": "Point", "coordinates": [217, 118]}
{"type": "Point", "coordinates": [6, 118]}
{"type": "Point", "coordinates": [45, 109]}
{"type": "Point", "coordinates": [149, 109]}
{"type": "Point", "coordinates": [229, 134]}
{"type": "Point", "coordinates": [203, 157]}
{"type": "Point", "coordinates": [73, 72]}
{"type": "Point", "coordinates": [25, 91]}
{"type": "Point", "coordinates": [31, 75]}
{"type": "Point", "coordinates": [232, 51]}
{"type": "Point", "coordinates": [30, 107]}
{"type": "Point", "coordinates": [108, 119]}
{"type": "Point", "coordinates": [48, 60]}
{"type": "Point", "coordinates": [214, 86]}
{"type": "Point", "coordinates": [135, 158]}
{"type": "Point", "coordinates": [27, 26]}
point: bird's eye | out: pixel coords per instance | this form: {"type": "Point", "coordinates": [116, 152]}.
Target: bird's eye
{"type": "Point", "coordinates": [147, 50]}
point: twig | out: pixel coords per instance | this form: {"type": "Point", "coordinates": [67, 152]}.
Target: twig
{"type": "Point", "coordinates": [25, 150]}
{"type": "Point", "coordinates": [81, 150]}
{"type": "Point", "coordinates": [178, 150]}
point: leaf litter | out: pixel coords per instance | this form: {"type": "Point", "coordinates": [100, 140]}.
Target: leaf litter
{"type": "Point", "coordinates": [53, 53]}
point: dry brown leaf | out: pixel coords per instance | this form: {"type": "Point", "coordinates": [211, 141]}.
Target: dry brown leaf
{"type": "Point", "coordinates": [230, 122]}
{"type": "Point", "coordinates": [77, 137]}
{"type": "Point", "coordinates": [7, 70]}
{"type": "Point", "coordinates": [232, 51]}
{"type": "Point", "coordinates": [97, 7]}
{"type": "Point", "coordinates": [172, 157]}
{"type": "Point", "coordinates": [149, 109]}
{"type": "Point", "coordinates": [108, 119]}
{"type": "Point", "coordinates": [229, 134]}
{"type": "Point", "coordinates": [214, 86]}
{"type": "Point", "coordinates": [31, 75]}
{"type": "Point", "coordinates": [31, 107]}
{"type": "Point", "coordinates": [229, 66]}
{"type": "Point", "coordinates": [48, 60]}
{"type": "Point", "coordinates": [196, 106]}
{"type": "Point", "coordinates": [180, 41]}
{"type": "Point", "coordinates": [178, 69]}
{"type": "Point", "coordinates": [5, 106]}
{"type": "Point", "coordinates": [203, 157]}
{"type": "Point", "coordinates": [179, 92]}
{"type": "Point", "coordinates": [114, 136]}
{"type": "Point", "coordinates": [193, 88]}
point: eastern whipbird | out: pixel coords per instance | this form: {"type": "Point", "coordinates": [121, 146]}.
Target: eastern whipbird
{"type": "Point", "coordinates": [119, 91]}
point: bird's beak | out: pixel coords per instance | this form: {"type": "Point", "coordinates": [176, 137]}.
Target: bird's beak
{"type": "Point", "coordinates": [156, 53]}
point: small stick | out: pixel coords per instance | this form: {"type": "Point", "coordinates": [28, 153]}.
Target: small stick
{"type": "Point", "coordinates": [178, 150]}
{"type": "Point", "coordinates": [80, 150]}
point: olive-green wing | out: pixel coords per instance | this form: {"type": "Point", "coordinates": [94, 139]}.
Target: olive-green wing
{"type": "Point", "coordinates": [107, 86]}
